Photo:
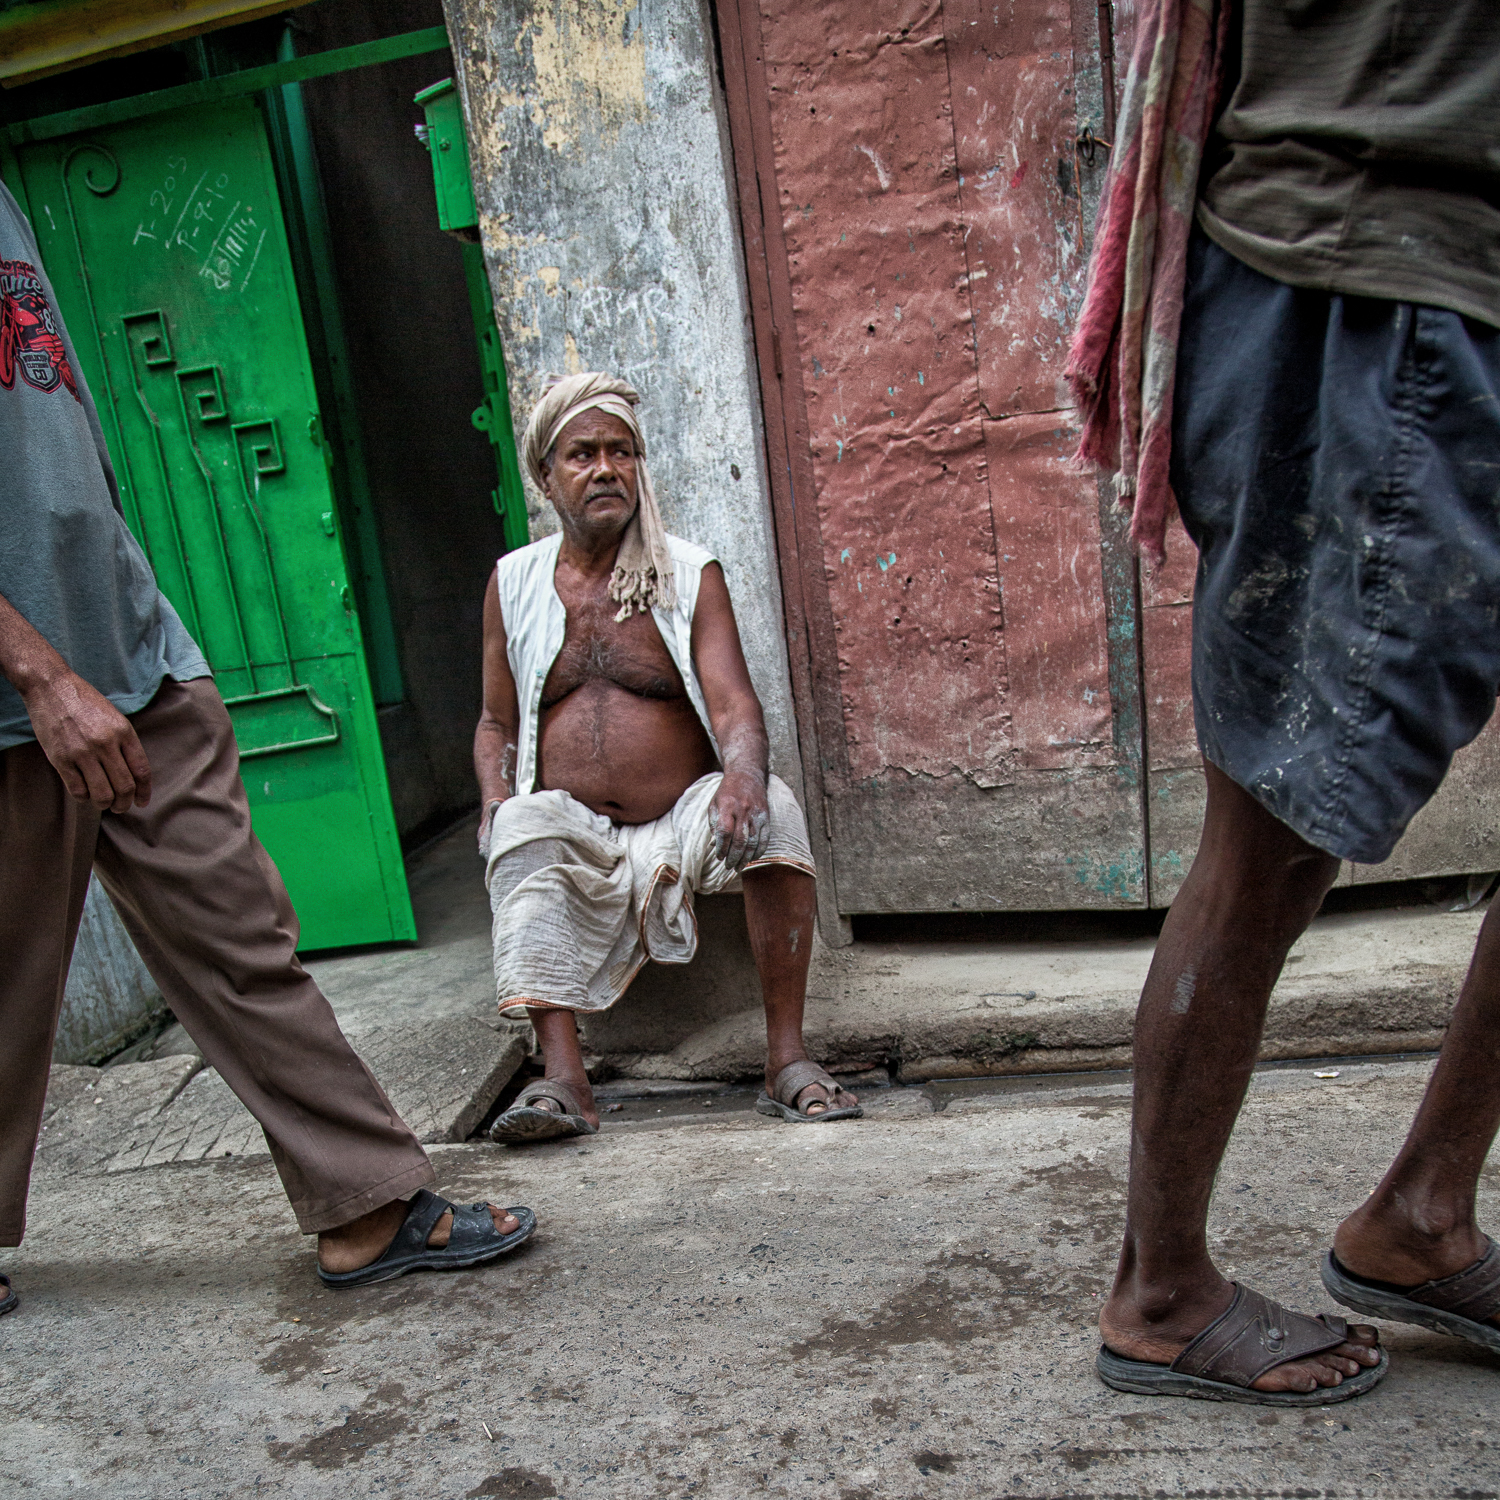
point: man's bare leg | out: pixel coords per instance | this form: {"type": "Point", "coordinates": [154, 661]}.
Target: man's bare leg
{"type": "Point", "coordinates": [365, 1239]}
{"type": "Point", "coordinates": [1419, 1223]}
{"type": "Point", "coordinates": [780, 908]}
{"type": "Point", "coordinates": [557, 1036]}
{"type": "Point", "coordinates": [1252, 890]}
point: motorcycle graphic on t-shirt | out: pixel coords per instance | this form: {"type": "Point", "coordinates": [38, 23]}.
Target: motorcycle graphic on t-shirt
{"type": "Point", "coordinates": [30, 343]}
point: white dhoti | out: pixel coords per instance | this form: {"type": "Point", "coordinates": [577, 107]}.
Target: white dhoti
{"type": "Point", "coordinates": [580, 903]}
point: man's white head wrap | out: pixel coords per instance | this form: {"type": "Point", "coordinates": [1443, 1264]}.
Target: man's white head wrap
{"type": "Point", "coordinates": [645, 576]}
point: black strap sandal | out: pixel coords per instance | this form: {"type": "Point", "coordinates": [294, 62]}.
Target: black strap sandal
{"type": "Point", "coordinates": [9, 1302]}
{"type": "Point", "coordinates": [474, 1240]}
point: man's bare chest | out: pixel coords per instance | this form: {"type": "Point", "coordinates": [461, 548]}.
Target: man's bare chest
{"type": "Point", "coordinates": [628, 654]}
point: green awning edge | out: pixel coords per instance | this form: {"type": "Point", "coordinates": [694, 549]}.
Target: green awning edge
{"type": "Point", "coordinates": [247, 81]}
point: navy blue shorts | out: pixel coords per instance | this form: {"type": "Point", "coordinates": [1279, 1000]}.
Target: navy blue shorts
{"type": "Point", "coordinates": [1337, 461]}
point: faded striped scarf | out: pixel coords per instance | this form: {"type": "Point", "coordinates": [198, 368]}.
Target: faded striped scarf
{"type": "Point", "coordinates": [1123, 359]}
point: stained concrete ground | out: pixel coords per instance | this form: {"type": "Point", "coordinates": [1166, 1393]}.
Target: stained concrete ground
{"type": "Point", "coordinates": [716, 1305]}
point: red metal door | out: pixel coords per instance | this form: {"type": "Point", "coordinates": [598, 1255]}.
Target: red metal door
{"type": "Point", "coordinates": [964, 656]}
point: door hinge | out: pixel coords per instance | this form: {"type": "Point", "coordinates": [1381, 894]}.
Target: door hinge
{"type": "Point", "coordinates": [315, 436]}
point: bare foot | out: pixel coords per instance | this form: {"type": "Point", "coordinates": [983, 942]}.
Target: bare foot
{"type": "Point", "coordinates": [1380, 1243]}
{"type": "Point", "coordinates": [356, 1244]}
{"type": "Point", "coordinates": [1159, 1340]}
{"type": "Point", "coordinates": [814, 1099]}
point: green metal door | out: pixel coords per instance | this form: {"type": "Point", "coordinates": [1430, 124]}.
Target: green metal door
{"type": "Point", "coordinates": [165, 242]}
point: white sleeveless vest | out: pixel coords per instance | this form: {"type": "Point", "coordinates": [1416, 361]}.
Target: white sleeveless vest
{"type": "Point", "coordinates": [536, 621]}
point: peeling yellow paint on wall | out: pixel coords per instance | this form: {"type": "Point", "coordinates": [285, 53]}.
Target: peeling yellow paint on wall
{"type": "Point", "coordinates": [504, 252]}
{"type": "Point", "coordinates": [590, 79]}
{"type": "Point", "coordinates": [496, 236]}
{"type": "Point", "coordinates": [571, 357]}
{"type": "Point", "coordinates": [549, 276]}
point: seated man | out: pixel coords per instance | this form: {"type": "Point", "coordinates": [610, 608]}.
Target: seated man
{"type": "Point", "coordinates": [622, 758]}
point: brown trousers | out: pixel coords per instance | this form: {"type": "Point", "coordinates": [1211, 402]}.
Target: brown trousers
{"type": "Point", "coordinates": [209, 913]}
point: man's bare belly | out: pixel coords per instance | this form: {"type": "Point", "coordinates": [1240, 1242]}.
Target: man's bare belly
{"type": "Point", "coordinates": [620, 754]}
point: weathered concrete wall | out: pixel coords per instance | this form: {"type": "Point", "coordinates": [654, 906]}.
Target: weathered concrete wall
{"type": "Point", "coordinates": [110, 997]}
{"type": "Point", "coordinates": [601, 167]}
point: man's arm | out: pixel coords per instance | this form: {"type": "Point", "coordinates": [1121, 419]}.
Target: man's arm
{"type": "Point", "coordinates": [741, 817]}
{"type": "Point", "coordinates": [498, 733]}
{"type": "Point", "coordinates": [89, 742]}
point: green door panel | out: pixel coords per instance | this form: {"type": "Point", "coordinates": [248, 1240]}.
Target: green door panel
{"type": "Point", "coordinates": [283, 719]}
{"type": "Point", "coordinates": [449, 148]}
{"type": "Point", "coordinates": [164, 239]}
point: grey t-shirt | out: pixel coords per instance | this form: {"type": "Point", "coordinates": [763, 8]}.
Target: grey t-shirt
{"type": "Point", "coordinates": [1359, 151]}
{"type": "Point", "coordinates": [68, 562]}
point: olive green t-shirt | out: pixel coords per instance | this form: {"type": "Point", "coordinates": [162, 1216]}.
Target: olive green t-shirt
{"type": "Point", "coordinates": [1359, 151]}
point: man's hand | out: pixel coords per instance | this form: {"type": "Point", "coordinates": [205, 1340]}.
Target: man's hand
{"type": "Point", "coordinates": [740, 818]}
{"type": "Point", "coordinates": [486, 822]}
{"type": "Point", "coordinates": [90, 743]}
{"type": "Point", "coordinates": [739, 815]}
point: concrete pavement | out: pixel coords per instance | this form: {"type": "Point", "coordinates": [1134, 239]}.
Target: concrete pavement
{"type": "Point", "coordinates": [715, 1305]}
{"type": "Point", "coordinates": [1366, 982]}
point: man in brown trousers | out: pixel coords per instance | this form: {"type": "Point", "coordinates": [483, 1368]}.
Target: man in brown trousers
{"type": "Point", "coordinates": [117, 755]}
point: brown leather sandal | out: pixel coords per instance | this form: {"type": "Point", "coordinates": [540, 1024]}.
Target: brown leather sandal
{"type": "Point", "coordinates": [1461, 1304]}
{"type": "Point", "coordinates": [791, 1081]}
{"type": "Point", "coordinates": [524, 1121]}
{"type": "Point", "coordinates": [1252, 1336]}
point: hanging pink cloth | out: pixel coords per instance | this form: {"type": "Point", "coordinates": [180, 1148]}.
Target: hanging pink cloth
{"type": "Point", "coordinates": [1123, 359]}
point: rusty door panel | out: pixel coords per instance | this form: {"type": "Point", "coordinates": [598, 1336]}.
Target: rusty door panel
{"type": "Point", "coordinates": [1459, 830]}
{"type": "Point", "coordinates": [978, 717]}
{"type": "Point", "coordinates": [869, 199]}
{"type": "Point", "coordinates": [1052, 840]}
{"type": "Point", "coordinates": [973, 744]}
{"type": "Point", "coordinates": [1051, 578]}
{"type": "Point", "coordinates": [1174, 769]}
{"type": "Point", "coordinates": [1011, 72]}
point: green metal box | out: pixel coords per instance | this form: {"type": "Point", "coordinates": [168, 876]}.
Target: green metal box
{"type": "Point", "coordinates": [450, 156]}
{"type": "Point", "coordinates": [444, 138]}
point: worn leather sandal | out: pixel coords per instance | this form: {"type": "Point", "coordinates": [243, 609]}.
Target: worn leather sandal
{"type": "Point", "coordinates": [9, 1302]}
{"type": "Point", "coordinates": [1460, 1305]}
{"type": "Point", "coordinates": [1252, 1336]}
{"type": "Point", "coordinates": [473, 1241]}
{"type": "Point", "coordinates": [524, 1122]}
{"type": "Point", "coordinates": [781, 1102]}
